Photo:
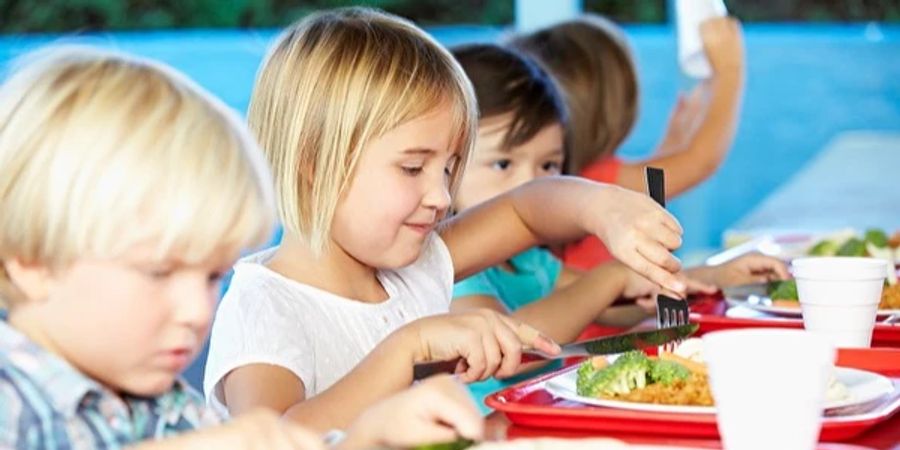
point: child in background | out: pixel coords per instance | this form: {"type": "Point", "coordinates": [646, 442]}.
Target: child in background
{"type": "Point", "coordinates": [592, 63]}
{"type": "Point", "coordinates": [521, 137]}
{"type": "Point", "coordinates": [111, 275]}
{"type": "Point", "coordinates": [368, 123]}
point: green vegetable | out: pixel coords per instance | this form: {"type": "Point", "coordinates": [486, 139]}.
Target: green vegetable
{"type": "Point", "coordinates": [853, 247]}
{"type": "Point", "coordinates": [632, 370]}
{"type": "Point", "coordinates": [628, 372]}
{"type": "Point", "coordinates": [824, 248]}
{"type": "Point", "coordinates": [668, 372]}
{"type": "Point", "coordinates": [877, 238]}
{"type": "Point", "coordinates": [459, 444]}
{"type": "Point", "coordinates": [783, 290]}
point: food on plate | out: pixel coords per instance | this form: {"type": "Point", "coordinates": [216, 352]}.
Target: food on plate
{"type": "Point", "coordinates": [635, 377]}
{"type": "Point", "coordinates": [784, 294]}
{"type": "Point", "coordinates": [679, 378]}
{"type": "Point", "coordinates": [874, 242]}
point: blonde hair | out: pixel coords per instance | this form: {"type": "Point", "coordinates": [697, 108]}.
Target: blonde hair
{"type": "Point", "coordinates": [332, 83]}
{"type": "Point", "coordinates": [101, 151]}
{"type": "Point", "coordinates": [590, 59]}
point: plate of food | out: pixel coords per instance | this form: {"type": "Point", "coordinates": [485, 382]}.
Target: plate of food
{"type": "Point", "coordinates": [780, 298]}
{"type": "Point", "coordinates": [874, 242]}
{"type": "Point", "coordinates": [678, 383]}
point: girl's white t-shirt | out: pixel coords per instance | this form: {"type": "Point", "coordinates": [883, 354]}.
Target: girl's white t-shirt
{"type": "Point", "coordinates": [266, 318]}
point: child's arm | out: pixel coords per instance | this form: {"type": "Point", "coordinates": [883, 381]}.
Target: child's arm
{"type": "Point", "coordinates": [750, 268]}
{"type": "Point", "coordinates": [558, 209]}
{"type": "Point", "coordinates": [487, 344]}
{"type": "Point", "coordinates": [708, 145]}
{"type": "Point", "coordinates": [258, 430]}
{"type": "Point", "coordinates": [564, 313]}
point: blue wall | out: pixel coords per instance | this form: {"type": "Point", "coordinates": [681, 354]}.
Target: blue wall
{"type": "Point", "coordinates": [806, 83]}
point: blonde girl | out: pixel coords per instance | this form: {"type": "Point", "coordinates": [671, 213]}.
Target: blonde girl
{"type": "Point", "coordinates": [368, 123]}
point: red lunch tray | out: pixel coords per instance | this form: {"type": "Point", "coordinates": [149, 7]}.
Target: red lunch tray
{"type": "Point", "coordinates": [528, 404]}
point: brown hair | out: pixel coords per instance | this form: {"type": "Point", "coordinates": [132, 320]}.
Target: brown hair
{"type": "Point", "coordinates": [506, 81]}
{"type": "Point", "coordinates": [592, 63]}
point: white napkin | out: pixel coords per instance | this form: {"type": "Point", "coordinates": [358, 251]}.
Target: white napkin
{"type": "Point", "coordinates": [690, 14]}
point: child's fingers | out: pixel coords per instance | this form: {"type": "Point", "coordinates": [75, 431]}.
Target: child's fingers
{"type": "Point", "coordinates": [510, 344]}
{"type": "Point", "coordinates": [298, 437]}
{"type": "Point", "coordinates": [531, 337]}
{"type": "Point", "coordinates": [452, 405]}
{"type": "Point", "coordinates": [654, 272]}
{"type": "Point", "coordinates": [666, 236]}
{"type": "Point", "coordinates": [493, 356]}
{"type": "Point", "coordinates": [658, 255]}
{"type": "Point", "coordinates": [695, 285]}
{"type": "Point", "coordinates": [671, 223]}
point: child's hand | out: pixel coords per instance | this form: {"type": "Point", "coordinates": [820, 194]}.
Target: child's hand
{"type": "Point", "coordinates": [724, 45]}
{"type": "Point", "coordinates": [640, 234]}
{"type": "Point", "coordinates": [687, 114]}
{"type": "Point", "coordinates": [750, 268]}
{"type": "Point", "coordinates": [434, 411]}
{"type": "Point", "coordinates": [486, 342]}
{"type": "Point", "coordinates": [644, 292]}
{"type": "Point", "coordinates": [261, 429]}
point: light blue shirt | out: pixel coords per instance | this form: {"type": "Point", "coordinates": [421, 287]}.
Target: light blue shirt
{"type": "Point", "coordinates": [47, 403]}
{"type": "Point", "coordinates": [534, 276]}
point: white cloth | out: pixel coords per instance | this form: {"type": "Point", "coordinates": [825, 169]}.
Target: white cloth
{"type": "Point", "coordinates": [319, 336]}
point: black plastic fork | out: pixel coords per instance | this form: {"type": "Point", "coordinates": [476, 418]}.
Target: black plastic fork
{"type": "Point", "coordinates": [669, 311]}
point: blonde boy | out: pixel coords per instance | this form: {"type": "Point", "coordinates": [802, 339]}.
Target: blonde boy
{"type": "Point", "coordinates": [126, 192]}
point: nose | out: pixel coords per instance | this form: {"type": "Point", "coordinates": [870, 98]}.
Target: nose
{"type": "Point", "coordinates": [437, 196]}
{"type": "Point", "coordinates": [195, 302]}
{"type": "Point", "coordinates": [525, 173]}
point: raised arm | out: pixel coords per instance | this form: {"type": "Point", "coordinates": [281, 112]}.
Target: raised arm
{"type": "Point", "coordinates": [688, 161]}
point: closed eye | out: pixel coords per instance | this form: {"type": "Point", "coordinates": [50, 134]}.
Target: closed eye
{"type": "Point", "coordinates": [412, 171]}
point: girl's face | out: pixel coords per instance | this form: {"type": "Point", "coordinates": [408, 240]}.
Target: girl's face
{"type": "Point", "coordinates": [133, 323]}
{"type": "Point", "coordinates": [494, 170]}
{"type": "Point", "coordinates": [399, 192]}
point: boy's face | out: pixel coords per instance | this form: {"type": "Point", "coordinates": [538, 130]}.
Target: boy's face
{"type": "Point", "coordinates": [132, 323]}
{"type": "Point", "coordinates": [399, 192]}
{"type": "Point", "coordinates": [494, 170]}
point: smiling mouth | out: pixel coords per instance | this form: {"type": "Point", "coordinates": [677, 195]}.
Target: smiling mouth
{"type": "Point", "coordinates": [423, 228]}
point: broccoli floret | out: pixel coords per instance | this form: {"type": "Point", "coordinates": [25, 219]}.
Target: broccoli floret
{"type": "Point", "coordinates": [853, 247]}
{"type": "Point", "coordinates": [783, 290]}
{"type": "Point", "coordinates": [824, 248]}
{"type": "Point", "coordinates": [877, 237]}
{"type": "Point", "coordinates": [628, 372]}
{"type": "Point", "coordinates": [667, 372]}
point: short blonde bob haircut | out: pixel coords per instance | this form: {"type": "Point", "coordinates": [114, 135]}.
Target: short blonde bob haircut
{"type": "Point", "coordinates": [100, 152]}
{"type": "Point", "coordinates": [332, 83]}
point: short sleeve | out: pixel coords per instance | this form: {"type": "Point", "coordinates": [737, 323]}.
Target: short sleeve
{"type": "Point", "coordinates": [436, 260]}
{"type": "Point", "coordinates": [603, 171]}
{"type": "Point", "coordinates": [551, 266]}
{"type": "Point", "coordinates": [478, 284]}
{"type": "Point", "coordinates": [10, 414]}
{"type": "Point", "coordinates": [257, 324]}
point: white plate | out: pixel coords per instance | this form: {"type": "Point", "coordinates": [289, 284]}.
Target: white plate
{"type": "Point", "coordinates": [862, 386]}
{"type": "Point", "coordinates": [754, 296]}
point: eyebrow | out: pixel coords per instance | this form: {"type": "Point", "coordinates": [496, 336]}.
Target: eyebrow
{"type": "Point", "coordinates": [419, 151]}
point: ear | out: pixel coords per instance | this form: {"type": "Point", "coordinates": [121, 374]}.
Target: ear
{"type": "Point", "coordinates": [31, 279]}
